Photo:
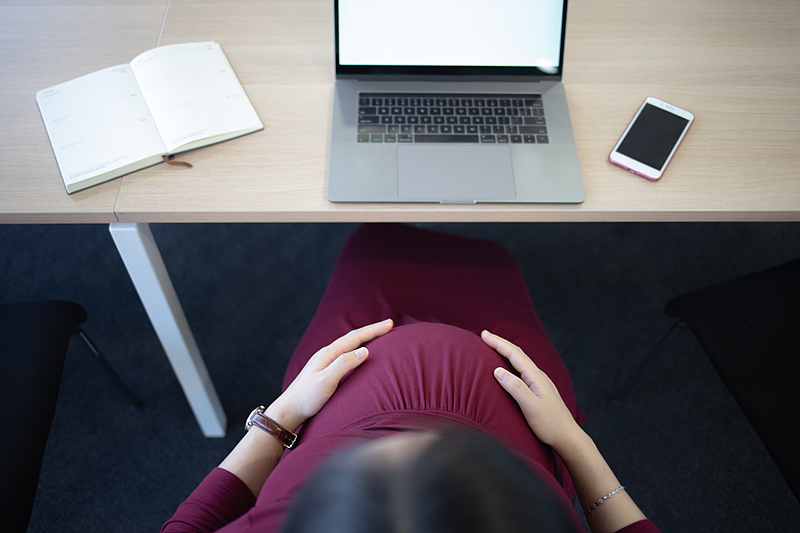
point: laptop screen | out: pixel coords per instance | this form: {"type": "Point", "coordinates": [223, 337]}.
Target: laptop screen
{"type": "Point", "coordinates": [450, 37]}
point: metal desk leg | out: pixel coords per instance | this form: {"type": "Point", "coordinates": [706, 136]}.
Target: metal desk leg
{"type": "Point", "coordinates": [146, 268]}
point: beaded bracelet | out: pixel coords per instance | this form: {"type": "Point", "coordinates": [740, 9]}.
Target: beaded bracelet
{"type": "Point", "coordinates": [601, 500]}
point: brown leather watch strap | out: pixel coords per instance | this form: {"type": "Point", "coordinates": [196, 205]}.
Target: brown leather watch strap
{"type": "Point", "coordinates": [259, 419]}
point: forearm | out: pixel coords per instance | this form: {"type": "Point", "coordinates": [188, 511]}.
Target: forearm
{"type": "Point", "coordinates": [223, 496]}
{"type": "Point", "coordinates": [593, 479]}
{"type": "Point", "coordinates": [256, 455]}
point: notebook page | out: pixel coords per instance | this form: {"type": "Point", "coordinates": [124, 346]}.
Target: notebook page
{"type": "Point", "coordinates": [98, 123]}
{"type": "Point", "coordinates": [193, 94]}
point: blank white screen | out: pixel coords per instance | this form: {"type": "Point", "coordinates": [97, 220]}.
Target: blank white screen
{"type": "Point", "coordinates": [523, 33]}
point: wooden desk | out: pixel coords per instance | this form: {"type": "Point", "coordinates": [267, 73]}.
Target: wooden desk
{"type": "Point", "coordinates": [734, 64]}
{"type": "Point", "coordinates": [42, 44]}
{"type": "Point", "coordinates": [47, 42]}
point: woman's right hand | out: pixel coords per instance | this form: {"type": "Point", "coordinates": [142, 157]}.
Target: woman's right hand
{"type": "Point", "coordinates": [535, 393]}
{"type": "Point", "coordinates": [553, 424]}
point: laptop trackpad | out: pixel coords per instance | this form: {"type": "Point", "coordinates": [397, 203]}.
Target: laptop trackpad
{"type": "Point", "coordinates": [447, 173]}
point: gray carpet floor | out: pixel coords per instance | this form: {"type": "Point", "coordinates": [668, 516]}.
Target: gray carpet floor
{"type": "Point", "coordinates": [679, 443]}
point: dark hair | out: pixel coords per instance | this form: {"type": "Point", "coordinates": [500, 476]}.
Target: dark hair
{"type": "Point", "coordinates": [462, 481]}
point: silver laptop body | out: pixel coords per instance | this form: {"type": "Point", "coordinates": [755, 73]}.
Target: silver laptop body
{"type": "Point", "coordinates": [502, 132]}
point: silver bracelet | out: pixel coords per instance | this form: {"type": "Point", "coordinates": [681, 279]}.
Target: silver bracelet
{"type": "Point", "coordinates": [601, 500]}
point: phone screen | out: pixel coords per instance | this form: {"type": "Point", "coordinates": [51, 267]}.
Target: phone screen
{"type": "Point", "coordinates": [653, 136]}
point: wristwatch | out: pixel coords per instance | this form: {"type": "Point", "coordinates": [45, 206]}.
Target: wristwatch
{"type": "Point", "coordinates": [259, 419]}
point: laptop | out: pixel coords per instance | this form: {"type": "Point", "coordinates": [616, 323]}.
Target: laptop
{"type": "Point", "coordinates": [451, 101]}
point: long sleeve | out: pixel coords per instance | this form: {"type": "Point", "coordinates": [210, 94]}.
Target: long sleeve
{"type": "Point", "coordinates": [642, 526]}
{"type": "Point", "coordinates": [219, 500]}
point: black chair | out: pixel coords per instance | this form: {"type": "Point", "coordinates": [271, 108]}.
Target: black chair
{"type": "Point", "coordinates": [750, 329]}
{"type": "Point", "coordinates": [33, 345]}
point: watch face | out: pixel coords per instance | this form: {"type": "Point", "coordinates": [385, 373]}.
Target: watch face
{"type": "Point", "coordinates": [249, 423]}
{"type": "Point", "coordinates": [284, 436]}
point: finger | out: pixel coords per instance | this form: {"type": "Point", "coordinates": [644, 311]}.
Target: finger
{"type": "Point", "coordinates": [345, 363]}
{"type": "Point", "coordinates": [512, 385]}
{"type": "Point", "coordinates": [518, 359]}
{"type": "Point", "coordinates": [355, 338]}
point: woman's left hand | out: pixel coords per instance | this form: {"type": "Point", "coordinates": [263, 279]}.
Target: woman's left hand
{"type": "Point", "coordinates": [320, 377]}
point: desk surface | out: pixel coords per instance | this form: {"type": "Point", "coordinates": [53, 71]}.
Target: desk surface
{"type": "Point", "coordinates": [735, 64]}
{"type": "Point", "coordinates": [43, 43]}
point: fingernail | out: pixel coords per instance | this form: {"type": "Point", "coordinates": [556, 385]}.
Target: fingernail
{"type": "Point", "coordinates": [361, 353]}
{"type": "Point", "coordinates": [500, 374]}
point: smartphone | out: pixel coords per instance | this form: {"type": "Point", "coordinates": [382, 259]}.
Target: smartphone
{"type": "Point", "coordinates": [651, 139]}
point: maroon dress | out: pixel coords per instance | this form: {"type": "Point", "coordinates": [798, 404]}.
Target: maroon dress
{"type": "Point", "coordinates": [431, 369]}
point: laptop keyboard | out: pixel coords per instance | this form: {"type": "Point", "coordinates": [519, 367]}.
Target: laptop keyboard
{"type": "Point", "coordinates": [451, 118]}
